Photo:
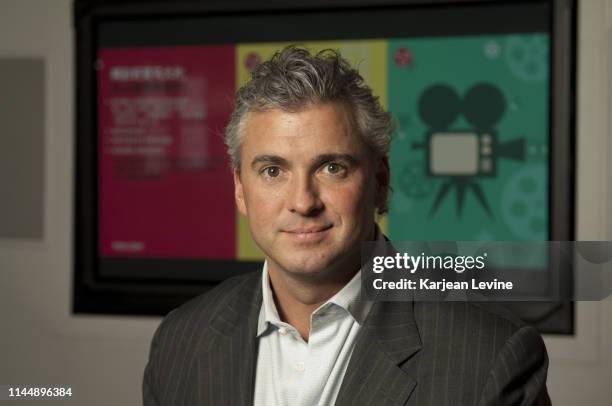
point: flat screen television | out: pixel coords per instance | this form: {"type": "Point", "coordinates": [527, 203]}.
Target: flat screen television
{"type": "Point", "coordinates": [482, 92]}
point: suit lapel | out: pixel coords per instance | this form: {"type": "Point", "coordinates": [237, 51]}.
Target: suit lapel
{"type": "Point", "coordinates": [226, 366]}
{"type": "Point", "coordinates": [226, 363]}
{"type": "Point", "coordinates": [374, 375]}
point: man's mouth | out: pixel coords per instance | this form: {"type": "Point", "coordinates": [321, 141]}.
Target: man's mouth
{"type": "Point", "coordinates": [308, 233]}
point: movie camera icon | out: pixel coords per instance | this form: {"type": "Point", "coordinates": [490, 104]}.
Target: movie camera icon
{"type": "Point", "coordinates": [462, 156]}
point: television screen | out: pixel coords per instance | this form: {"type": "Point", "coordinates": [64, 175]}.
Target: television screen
{"type": "Point", "coordinates": [470, 86]}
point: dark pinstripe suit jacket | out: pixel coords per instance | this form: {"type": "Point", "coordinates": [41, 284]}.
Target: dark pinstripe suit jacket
{"type": "Point", "coordinates": [204, 353]}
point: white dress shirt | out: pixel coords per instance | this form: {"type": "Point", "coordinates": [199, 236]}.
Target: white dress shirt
{"type": "Point", "coordinates": [293, 372]}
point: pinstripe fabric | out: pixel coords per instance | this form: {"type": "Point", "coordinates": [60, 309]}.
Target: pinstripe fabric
{"type": "Point", "coordinates": [203, 353]}
{"type": "Point", "coordinates": [406, 354]}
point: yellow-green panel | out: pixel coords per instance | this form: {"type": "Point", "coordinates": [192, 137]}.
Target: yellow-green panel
{"type": "Point", "coordinates": [383, 224]}
{"type": "Point", "coordinates": [247, 249]}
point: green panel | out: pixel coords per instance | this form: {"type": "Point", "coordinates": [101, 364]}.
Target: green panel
{"type": "Point", "coordinates": [473, 136]}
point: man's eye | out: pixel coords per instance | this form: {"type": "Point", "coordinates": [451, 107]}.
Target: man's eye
{"type": "Point", "coordinates": [272, 171]}
{"type": "Point", "coordinates": [335, 168]}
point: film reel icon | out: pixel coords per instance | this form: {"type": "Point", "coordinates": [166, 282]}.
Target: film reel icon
{"type": "Point", "coordinates": [524, 203]}
{"type": "Point", "coordinates": [414, 182]}
{"type": "Point", "coordinates": [527, 57]}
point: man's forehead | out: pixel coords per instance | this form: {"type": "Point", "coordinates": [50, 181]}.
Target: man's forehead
{"type": "Point", "coordinates": [320, 126]}
{"type": "Point", "coordinates": [324, 115]}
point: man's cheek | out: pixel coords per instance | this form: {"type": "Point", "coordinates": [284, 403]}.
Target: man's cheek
{"type": "Point", "coordinates": [350, 199]}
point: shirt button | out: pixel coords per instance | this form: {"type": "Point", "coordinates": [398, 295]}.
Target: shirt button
{"type": "Point", "coordinates": [282, 331]}
{"type": "Point", "coordinates": [299, 367]}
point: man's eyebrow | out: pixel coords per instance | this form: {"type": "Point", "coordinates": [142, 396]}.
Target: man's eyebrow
{"type": "Point", "coordinates": [318, 161]}
{"type": "Point", "coordinates": [268, 159]}
{"type": "Point", "coordinates": [321, 159]}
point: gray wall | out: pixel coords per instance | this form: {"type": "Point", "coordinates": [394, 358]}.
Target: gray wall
{"type": "Point", "coordinates": [40, 340]}
{"type": "Point", "coordinates": [102, 357]}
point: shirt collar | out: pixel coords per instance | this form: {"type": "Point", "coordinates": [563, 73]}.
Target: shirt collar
{"type": "Point", "coordinates": [348, 298]}
{"type": "Point", "coordinates": [268, 312]}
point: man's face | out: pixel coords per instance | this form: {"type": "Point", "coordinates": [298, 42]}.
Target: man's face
{"type": "Point", "coordinates": [309, 187]}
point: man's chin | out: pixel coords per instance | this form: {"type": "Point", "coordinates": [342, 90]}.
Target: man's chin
{"type": "Point", "coordinates": [306, 270]}
{"type": "Point", "coordinates": [309, 268]}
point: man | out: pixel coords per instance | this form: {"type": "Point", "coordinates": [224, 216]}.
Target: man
{"type": "Point", "coordinates": [308, 143]}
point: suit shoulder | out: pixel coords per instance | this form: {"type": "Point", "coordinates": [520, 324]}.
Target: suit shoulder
{"type": "Point", "coordinates": [200, 309]}
{"type": "Point", "coordinates": [488, 324]}
{"type": "Point", "coordinates": [470, 345]}
{"type": "Point", "coordinates": [497, 312]}
{"type": "Point", "coordinates": [184, 332]}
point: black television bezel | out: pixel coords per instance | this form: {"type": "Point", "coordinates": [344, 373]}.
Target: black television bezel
{"type": "Point", "coordinates": [93, 293]}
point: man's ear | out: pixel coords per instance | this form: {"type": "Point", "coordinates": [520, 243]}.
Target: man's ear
{"type": "Point", "coordinates": [239, 193]}
{"type": "Point", "coordinates": [383, 183]}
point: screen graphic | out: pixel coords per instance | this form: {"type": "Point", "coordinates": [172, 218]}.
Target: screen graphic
{"type": "Point", "coordinates": [164, 187]}
{"type": "Point", "coordinates": [469, 159]}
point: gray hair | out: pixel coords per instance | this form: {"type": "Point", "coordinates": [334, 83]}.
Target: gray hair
{"type": "Point", "coordinates": [294, 78]}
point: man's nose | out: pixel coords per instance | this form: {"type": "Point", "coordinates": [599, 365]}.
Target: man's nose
{"type": "Point", "coordinates": [304, 196]}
